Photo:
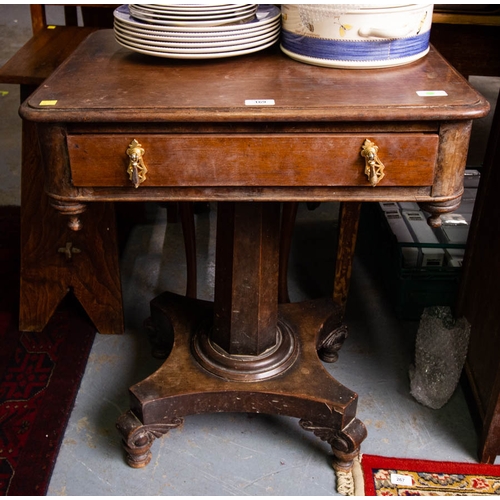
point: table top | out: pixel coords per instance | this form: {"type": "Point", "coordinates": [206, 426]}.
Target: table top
{"type": "Point", "coordinates": [104, 82]}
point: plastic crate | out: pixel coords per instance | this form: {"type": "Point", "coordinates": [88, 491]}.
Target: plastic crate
{"type": "Point", "coordinates": [409, 289]}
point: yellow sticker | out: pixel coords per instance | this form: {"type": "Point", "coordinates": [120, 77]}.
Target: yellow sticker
{"type": "Point", "coordinates": [51, 27]}
{"type": "Point", "coordinates": [48, 103]}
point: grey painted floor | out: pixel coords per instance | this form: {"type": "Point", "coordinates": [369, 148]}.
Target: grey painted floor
{"type": "Point", "coordinates": [239, 454]}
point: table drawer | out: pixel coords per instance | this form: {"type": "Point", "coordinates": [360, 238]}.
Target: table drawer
{"type": "Point", "coordinates": [252, 160]}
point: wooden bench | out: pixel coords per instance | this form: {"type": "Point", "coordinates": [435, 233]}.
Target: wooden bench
{"type": "Point", "coordinates": [54, 259]}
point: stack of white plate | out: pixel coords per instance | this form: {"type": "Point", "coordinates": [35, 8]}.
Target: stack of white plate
{"type": "Point", "coordinates": [198, 31]}
{"type": "Point", "coordinates": [193, 15]}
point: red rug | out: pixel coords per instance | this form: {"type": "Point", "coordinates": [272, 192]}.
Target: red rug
{"type": "Point", "coordinates": [40, 374]}
{"type": "Point", "coordinates": [406, 477]}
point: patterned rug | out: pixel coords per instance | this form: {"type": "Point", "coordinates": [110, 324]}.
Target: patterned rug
{"type": "Point", "coordinates": [405, 477]}
{"type": "Point", "coordinates": [40, 374]}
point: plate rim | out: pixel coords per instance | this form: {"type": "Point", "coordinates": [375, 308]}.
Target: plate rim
{"type": "Point", "coordinates": [272, 14]}
{"type": "Point", "coordinates": [201, 50]}
{"type": "Point", "coordinates": [195, 37]}
{"type": "Point", "coordinates": [166, 55]}
{"type": "Point", "coordinates": [220, 41]}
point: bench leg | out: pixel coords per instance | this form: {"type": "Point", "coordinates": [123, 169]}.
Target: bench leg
{"type": "Point", "coordinates": [55, 260]}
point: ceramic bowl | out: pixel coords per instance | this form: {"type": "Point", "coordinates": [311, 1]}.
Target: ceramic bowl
{"type": "Point", "coordinates": [338, 36]}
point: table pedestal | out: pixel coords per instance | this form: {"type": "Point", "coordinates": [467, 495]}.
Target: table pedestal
{"type": "Point", "coordinates": [244, 352]}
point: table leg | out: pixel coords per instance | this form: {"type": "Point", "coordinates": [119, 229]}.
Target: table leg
{"type": "Point", "coordinates": [244, 352]}
{"type": "Point", "coordinates": [348, 233]}
{"type": "Point", "coordinates": [289, 215]}
{"type": "Point", "coordinates": [186, 210]}
{"type": "Point", "coordinates": [347, 236]}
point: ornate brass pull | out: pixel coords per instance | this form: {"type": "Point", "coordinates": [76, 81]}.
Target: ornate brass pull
{"type": "Point", "coordinates": [136, 169]}
{"type": "Point", "coordinates": [374, 168]}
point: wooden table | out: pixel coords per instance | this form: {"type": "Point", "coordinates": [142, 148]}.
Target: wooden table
{"type": "Point", "coordinates": [249, 132]}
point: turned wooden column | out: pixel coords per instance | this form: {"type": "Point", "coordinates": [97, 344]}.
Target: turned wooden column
{"type": "Point", "coordinates": [246, 340]}
{"type": "Point", "coordinates": [246, 280]}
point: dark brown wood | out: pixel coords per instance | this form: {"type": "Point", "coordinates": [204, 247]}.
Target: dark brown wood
{"type": "Point", "coordinates": [186, 211]}
{"type": "Point", "coordinates": [469, 42]}
{"type": "Point", "coordinates": [464, 45]}
{"type": "Point", "coordinates": [38, 18]}
{"type": "Point", "coordinates": [278, 160]}
{"type": "Point", "coordinates": [55, 260]}
{"type": "Point", "coordinates": [246, 282]}
{"type": "Point", "coordinates": [70, 15]}
{"type": "Point", "coordinates": [98, 15]}
{"type": "Point", "coordinates": [478, 298]}
{"type": "Point", "coordinates": [323, 94]}
{"type": "Point", "coordinates": [244, 352]}
{"type": "Point", "coordinates": [37, 59]}
{"type": "Point", "coordinates": [329, 99]}
{"type": "Point", "coordinates": [47, 274]}
{"type": "Point", "coordinates": [288, 216]}
{"type": "Point", "coordinates": [348, 231]}
{"type": "Point", "coordinates": [305, 390]}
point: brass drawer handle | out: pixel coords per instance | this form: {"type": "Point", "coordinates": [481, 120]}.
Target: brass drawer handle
{"type": "Point", "coordinates": [136, 169]}
{"type": "Point", "coordinates": [374, 168]}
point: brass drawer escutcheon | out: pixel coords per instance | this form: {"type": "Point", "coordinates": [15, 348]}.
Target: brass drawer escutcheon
{"type": "Point", "coordinates": [136, 169]}
{"type": "Point", "coordinates": [374, 168]}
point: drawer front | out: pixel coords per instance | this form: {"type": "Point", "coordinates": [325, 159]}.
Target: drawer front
{"type": "Point", "coordinates": [252, 160]}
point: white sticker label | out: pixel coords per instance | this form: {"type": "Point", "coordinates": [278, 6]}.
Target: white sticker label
{"type": "Point", "coordinates": [431, 93]}
{"type": "Point", "coordinates": [259, 102]}
{"type": "Point", "coordinates": [400, 479]}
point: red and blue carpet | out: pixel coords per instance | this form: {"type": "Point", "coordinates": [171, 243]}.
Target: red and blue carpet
{"type": "Point", "coordinates": [40, 374]}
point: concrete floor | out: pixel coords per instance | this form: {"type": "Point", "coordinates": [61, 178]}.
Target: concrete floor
{"type": "Point", "coordinates": [239, 454]}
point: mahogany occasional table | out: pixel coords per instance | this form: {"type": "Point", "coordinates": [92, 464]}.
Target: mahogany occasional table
{"type": "Point", "coordinates": [250, 133]}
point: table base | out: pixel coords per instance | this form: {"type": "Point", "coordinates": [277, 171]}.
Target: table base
{"type": "Point", "coordinates": [182, 387]}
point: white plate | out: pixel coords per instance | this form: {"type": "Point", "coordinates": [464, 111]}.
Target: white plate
{"type": "Point", "coordinates": [226, 36]}
{"type": "Point", "coordinates": [214, 55]}
{"type": "Point", "coordinates": [193, 21]}
{"type": "Point", "coordinates": [195, 50]}
{"type": "Point", "coordinates": [150, 17]}
{"type": "Point", "coordinates": [196, 36]}
{"type": "Point", "coordinates": [195, 43]}
{"type": "Point", "coordinates": [191, 7]}
{"type": "Point", "coordinates": [198, 13]}
{"type": "Point", "coordinates": [265, 14]}
{"type": "Point", "coordinates": [200, 8]}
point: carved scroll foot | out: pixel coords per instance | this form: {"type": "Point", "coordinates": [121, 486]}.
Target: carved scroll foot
{"type": "Point", "coordinates": [138, 438]}
{"type": "Point", "coordinates": [345, 445]}
{"type": "Point", "coordinates": [330, 342]}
